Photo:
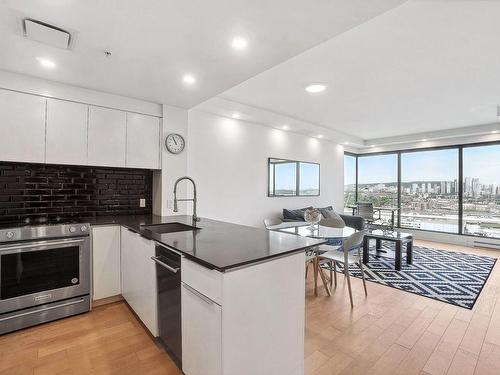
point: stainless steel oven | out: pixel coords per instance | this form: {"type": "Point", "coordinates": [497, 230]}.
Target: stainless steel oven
{"type": "Point", "coordinates": [44, 274]}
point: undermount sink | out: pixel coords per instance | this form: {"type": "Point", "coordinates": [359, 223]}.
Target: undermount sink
{"type": "Point", "coordinates": [169, 228]}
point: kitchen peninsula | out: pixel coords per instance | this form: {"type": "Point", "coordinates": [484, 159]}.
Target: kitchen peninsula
{"type": "Point", "coordinates": [242, 290]}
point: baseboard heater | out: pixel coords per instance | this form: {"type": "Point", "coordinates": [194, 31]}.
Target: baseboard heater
{"type": "Point", "coordinates": [489, 245]}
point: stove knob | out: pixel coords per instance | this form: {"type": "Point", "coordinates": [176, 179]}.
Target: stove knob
{"type": "Point", "coordinates": [72, 229]}
{"type": "Point", "coordinates": [83, 228]}
{"type": "Point", "coordinates": [9, 235]}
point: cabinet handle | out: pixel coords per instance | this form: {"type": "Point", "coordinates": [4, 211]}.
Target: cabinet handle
{"type": "Point", "coordinates": [207, 300]}
{"type": "Point", "coordinates": [163, 264]}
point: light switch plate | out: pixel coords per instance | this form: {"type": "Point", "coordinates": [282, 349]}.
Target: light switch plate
{"type": "Point", "coordinates": [142, 202]}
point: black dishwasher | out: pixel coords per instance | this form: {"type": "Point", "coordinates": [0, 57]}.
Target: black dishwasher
{"type": "Point", "coordinates": [168, 279]}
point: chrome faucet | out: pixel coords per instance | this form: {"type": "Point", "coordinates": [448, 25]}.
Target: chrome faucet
{"type": "Point", "coordinates": [176, 208]}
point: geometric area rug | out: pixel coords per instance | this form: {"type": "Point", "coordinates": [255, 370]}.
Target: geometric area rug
{"type": "Point", "coordinates": [448, 276]}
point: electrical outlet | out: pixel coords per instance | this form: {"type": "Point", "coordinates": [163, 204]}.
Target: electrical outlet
{"type": "Point", "coordinates": [142, 202]}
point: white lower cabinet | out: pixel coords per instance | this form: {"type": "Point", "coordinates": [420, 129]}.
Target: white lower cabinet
{"type": "Point", "coordinates": [257, 326]}
{"type": "Point", "coordinates": [139, 277]}
{"type": "Point", "coordinates": [106, 261]}
{"type": "Point", "coordinates": [201, 334]}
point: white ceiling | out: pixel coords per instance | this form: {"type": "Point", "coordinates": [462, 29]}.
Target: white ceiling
{"type": "Point", "coordinates": [155, 42]}
{"type": "Point", "coordinates": [421, 67]}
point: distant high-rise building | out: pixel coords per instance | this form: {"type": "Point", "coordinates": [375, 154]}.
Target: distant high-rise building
{"type": "Point", "coordinates": [448, 187]}
{"type": "Point", "coordinates": [467, 185]}
{"type": "Point", "coordinates": [429, 188]}
{"type": "Point", "coordinates": [414, 187]}
{"type": "Point", "coordinates": [475, 186]}
{"type": "Point", "coordinates": [423, 188]}
{"type": "Point", "coordinates": [443, 187]}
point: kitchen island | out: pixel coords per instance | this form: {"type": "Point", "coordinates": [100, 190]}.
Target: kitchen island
{"type": "Point", "coordinates": [242, 294]}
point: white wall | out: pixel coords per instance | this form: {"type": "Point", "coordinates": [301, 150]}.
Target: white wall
{"type": "Point", "coordinates": [175, 120]}
{"type": "Point", "coordinates": [228, 160]}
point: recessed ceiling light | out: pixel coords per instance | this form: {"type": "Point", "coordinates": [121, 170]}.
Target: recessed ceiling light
{"type": "Point", "coordinates": [239, 43]}
{"type": "Point", "coordinates": [285, 127]}
{"type": "Point", "coordinates": [189, 79]}
{"type": "Point", "coordinates": [372, 145]}
{"type": "Point", "coordinates": [46, 63]}
{"type": "Point", "coordinates": [494, 132]}
{"type": "Point", "coordinates": [346, 143]}
{"type": "Point", "coordinates": [424, 140]}
{"type": "Point", "coordinates": [236, 115]}
{"type": "Point", "coordinates": [320, 135]}
{"type": "Point", "coordinates": [315, 88]}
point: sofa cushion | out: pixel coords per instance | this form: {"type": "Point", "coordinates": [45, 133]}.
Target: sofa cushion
{"type": "Point", "coordinates": [332, 218]}
{"type": "Point", "coordinates": [294, 215]}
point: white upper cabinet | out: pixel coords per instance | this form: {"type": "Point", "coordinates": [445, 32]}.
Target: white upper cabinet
{"type": "Point", "coordinates": [22, 127]}
{"type": "Point", "coordinates": [66, 132]}
{"type": "Point", "coordinates": [107, 135]}
{"type": "Point", "coordinates": [143, 141]}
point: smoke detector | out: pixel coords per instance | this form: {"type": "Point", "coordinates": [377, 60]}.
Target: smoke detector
{"type": "Point", "coordinates": [45, 33]}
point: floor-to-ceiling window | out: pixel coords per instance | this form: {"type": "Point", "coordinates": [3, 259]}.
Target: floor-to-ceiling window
{"type": "Point", "coordinates": [481, 190]}
{"type": "Point", "coordinates": [378, 181]}
{"type": "Point", "coordinates": [349, 181]}
{"type": "Point", "coordinates": [429, 190]}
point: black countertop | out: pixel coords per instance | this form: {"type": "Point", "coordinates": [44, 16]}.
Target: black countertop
{"type": "Point", "coordinates": [216, 244]}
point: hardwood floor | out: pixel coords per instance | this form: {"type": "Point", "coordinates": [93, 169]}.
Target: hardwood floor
{"type": "Point", "coordinates": [390, 332]}
{"type": "Point", "coordinates": [394, 332]}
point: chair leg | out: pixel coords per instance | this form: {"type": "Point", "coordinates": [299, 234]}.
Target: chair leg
{"type": "Point", "coordinates": [331, 273]}
{"type": "Point", "coordinates": [346, 268]}
{"type": "Point", "coordinates": [363, 276]}
{"type": "Point", "coordinates": [323, 279]}
{"type": "Point", "coordinates": [307, 268]}
{"type": "Point", "coordinates": [315, 269]}
{"type": "Point", "coordinates": [335, 272]}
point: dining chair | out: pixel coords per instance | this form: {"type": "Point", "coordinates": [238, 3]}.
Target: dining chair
{"type": "Point", "coordinates": [347, 254]}
{"type": "Point", "coordinates": [270, 222]}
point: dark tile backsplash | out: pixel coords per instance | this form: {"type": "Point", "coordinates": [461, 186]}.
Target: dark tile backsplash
{"type": "Point", "coordinates": [34, 192]}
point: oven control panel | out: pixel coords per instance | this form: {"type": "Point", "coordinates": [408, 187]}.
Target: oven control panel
{"type": "Point", "coordinates": [40, 232]}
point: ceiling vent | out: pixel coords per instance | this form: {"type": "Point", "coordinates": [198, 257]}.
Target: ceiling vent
{"type": "Point", "coordinates": [48, 34]}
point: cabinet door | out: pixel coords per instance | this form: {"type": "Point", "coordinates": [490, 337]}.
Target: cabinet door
{"type": "Point", "coordinates": [107, 136]}
{"type": "Point", "coordinates": [106, 261]}
{"type": "Point", "coordinates": [66, 132]}
{"type": "Point", "coordinates": [22, 127]}
{"type": "Point", "coordinates": [201, 334]}
{"type": "Point", "coordinates": [143, 141]}
{"type": "Point", "coordinates": [139, 278]}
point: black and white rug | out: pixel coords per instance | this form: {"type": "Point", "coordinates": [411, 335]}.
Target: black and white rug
{"type": "Point", "coordinates": [448, 276]}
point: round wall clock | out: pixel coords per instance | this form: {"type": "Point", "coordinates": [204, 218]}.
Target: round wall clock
{"type": "Point", "coordinates": [174, 143]}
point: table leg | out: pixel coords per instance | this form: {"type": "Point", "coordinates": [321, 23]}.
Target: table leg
{"type": "Point", "coordinates": [353, 211]}
{"type": "Point", "coordinates": [366, 249]}
{"type": "Point", "coordinates": [398, 256]}
{"type": "Point", "coordinates": [409, 251]}
{"type": "Point", "coordinates": [378, 245]}
{"type": "Point", "coordinates": [392, 219]}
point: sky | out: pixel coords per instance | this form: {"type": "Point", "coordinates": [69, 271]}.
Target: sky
{"type": "Point", "coordinates": [438, 165]}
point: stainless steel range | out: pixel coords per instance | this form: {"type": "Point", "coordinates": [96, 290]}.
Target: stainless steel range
{"type": "Point", "coordinates": [44, 274]}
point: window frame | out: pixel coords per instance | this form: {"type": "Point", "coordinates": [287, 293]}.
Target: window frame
{"type": "Point", "coordinates": [460, 148]}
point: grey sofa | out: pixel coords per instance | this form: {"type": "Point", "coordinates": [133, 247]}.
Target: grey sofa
{"type": "Point", "coordinates": [355, 222]}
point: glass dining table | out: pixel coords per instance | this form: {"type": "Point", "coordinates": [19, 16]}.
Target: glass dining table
{"type": "Point", "coordinates": [334, 236]}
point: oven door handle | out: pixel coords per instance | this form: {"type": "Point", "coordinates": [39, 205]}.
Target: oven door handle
{"type": "Point", "coordinates": [38, 244]}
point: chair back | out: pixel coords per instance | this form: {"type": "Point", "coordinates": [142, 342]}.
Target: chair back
{"type": "Point", "coordinates": [354, 240]}
{"type": "Point", "coordinates": [269, 222]}
{"type": "Point", "coordinates": [365, 210]}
